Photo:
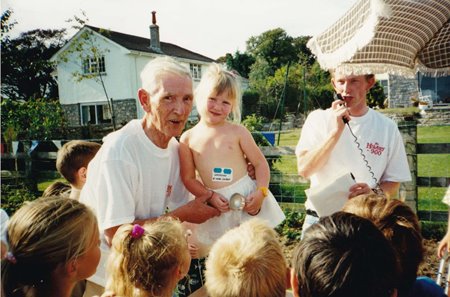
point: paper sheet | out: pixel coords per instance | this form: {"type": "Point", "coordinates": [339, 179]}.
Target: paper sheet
{"type": "Point", "coordinates": [331, 196]}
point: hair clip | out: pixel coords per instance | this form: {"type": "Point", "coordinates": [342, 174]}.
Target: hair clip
{"type": "Point", "coordinates": [10, 257]}
{"type": "Point", "coordinates": [137, 231]}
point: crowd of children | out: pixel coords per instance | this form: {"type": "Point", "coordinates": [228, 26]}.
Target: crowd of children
{"type": "Point", "coordinates": [373, 247]}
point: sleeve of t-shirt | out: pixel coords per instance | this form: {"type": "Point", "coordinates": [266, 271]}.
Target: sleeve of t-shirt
{"type": "Point", "coordinates": [311, 133]}
{"type": "Point", "coordinates": [397, 169]}
{"type": "Point", "coordinates": [115, 198]}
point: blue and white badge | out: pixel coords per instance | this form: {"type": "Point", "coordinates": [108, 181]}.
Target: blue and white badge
{"type": "Point", "coordinates": [220, 174]}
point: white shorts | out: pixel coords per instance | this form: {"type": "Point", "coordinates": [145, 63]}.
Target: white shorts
{"type": "Point", "coordinates": [209, 231]}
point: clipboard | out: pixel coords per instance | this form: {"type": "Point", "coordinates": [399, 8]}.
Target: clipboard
{"type": "Point", "coordinates": [330, 197]}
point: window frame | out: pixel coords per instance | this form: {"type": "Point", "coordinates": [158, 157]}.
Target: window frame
{"type": "Point", "coordinates": [94, 65]}
{"type": "Point", "coordinates": [196, 70]}
{"type": "Point", "coordinates": [105, 112]}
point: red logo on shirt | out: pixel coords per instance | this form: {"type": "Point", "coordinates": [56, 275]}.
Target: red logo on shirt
{"type": "Point", "coordinates": [169, 190]}
{"type": "Point", "coordinates": [375, 148]}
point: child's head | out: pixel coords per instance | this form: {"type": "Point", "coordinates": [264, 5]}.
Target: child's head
{"type": "Point", "coordinates": [247, 261]}
{"type": "Point", "coordinates": [343, 255]}
{"type": "Point", "coordinates": [217, 81]}
{"type": "Point", "coordinates": [400, 225]}
{"type": "Point", "coordinates": [73, 158]}
{"type": "Point", "coordinates": [57, 188]}
{"type": "Point", "coordinates": [50, 239]}
{"type": "Point", "coordinates": [152, 258]}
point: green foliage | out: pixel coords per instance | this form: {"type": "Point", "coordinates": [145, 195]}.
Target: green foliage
{"type": "Point", "coordinates": [14, 195]}
{"type": "Point", "coordinates": [376, 96]}
{"type": "Point", "coordinates": [291, 227]}
{"type": "Point", "coordinates": [433, 230]}
{"type": "Point", "coordinates": [250, 100]}
{"type": "Point", "coordinates": [36, 119]}
{"type": "Point", "coordinates": [275, 46]}
{"type": "Point", "coordinates": [241, 62]}
{"type": "Point", "coordinates": [253, 123]}
{"type": "Point", "coordinates": [26, 69]}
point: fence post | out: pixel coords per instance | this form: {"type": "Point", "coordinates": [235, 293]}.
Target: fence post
{"type": "Point", "coordinates": [408, 130]}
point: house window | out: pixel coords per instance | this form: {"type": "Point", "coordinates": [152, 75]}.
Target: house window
{"type": "Point", "coordinates": [94, 65]}
{"type": "Point", "coordinates": [95, 114]}
{"type": "Point", "coordinates": [196, 71]}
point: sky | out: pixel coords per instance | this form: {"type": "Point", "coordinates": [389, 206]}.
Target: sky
{"type": "Point", "coordinates": [208, 27]}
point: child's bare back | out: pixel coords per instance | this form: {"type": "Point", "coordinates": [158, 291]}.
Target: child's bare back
{"type": "Point", "coordinates": [217, 153]}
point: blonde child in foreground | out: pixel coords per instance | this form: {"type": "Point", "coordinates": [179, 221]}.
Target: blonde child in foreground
{"type": "Point", "coordinates": [53, 244]}
{"type": "Point", "coordinates": [247, 261]}
{"type": "Point", "coordinates": [147, 261]}
{"type": "Point", "coordinates": [216, 148]}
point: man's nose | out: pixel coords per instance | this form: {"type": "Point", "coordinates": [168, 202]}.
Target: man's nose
{"type": "Point", "coordinates": [179, 107]}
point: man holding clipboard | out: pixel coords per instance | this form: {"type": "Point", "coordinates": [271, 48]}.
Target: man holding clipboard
{"type": "Point", "coordinates": [349, 137]}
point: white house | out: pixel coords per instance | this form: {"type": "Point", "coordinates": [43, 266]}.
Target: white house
{"type": "Point", "coordinates": [94, 55]}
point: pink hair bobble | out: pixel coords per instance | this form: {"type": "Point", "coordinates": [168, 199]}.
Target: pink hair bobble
{"type": "Point", "coordinates": [10, 257]}
{"type": "Point", "coordinates": [137, 231]}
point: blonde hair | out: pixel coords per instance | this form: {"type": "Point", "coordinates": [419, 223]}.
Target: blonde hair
{"type": "Point", "coordinates": [216, 81]}
{"type": "Point", "coordinates": [247, 261]}
{"type": "Point", "coordinates": [138, 266]}
{"type": "Point", "coordinates": [157, 67]}
{"type": "Point", "coordinates": [42, 235]}
{"type": "Point", "coordinates": [57, 188]}
{"type": "Point", "coordinates": [400, 225]}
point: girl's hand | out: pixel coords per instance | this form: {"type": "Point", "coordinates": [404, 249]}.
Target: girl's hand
{"type": "Point", "coordinates": [253, 202]}
{"type": "Point", "coordinates": [193, 250]}
{"type": "Point", "coordinates": [219, 202]}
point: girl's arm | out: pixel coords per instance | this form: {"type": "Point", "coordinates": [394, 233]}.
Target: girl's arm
{"type": "Point", "coordinates": [262, 171]}
{"type": "Point", "coordinates": [187, 170]}
{"type": "Point", "coordinates": [190, 181]}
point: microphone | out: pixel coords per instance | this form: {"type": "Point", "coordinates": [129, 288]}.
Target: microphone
{"type": "Point", "coordinates": [338, 96]}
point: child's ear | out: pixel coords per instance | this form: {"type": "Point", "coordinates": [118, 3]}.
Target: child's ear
{"type": "Point", "coordinates": [294, 283]}
{"type": "Point", "coordinates": [71, 267]}
{"type": "Point", "coordinates": [82, 172]}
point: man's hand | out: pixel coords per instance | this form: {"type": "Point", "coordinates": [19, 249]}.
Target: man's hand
{"type": "Point", "coordinates": [250, 169]}
{"type": "Point", "coordinates": [359, 189]}
{"type": "Point", "coordinates": [195, 211]}
{"type": "Point", "coordinates": [340, 111]}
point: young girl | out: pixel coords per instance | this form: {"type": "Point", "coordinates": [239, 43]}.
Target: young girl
{"type": "Point", "coordinates": [216, 148]}
{"type": "Point", "coordinates": [147, 261]}
{"type": "Point", "coordinates": [53, 244]}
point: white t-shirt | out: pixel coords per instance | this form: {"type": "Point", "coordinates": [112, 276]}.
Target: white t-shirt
{"type": "Point", "coordinates": [379, 139]}
{"type": "Point", "coordinates": [131, 178]}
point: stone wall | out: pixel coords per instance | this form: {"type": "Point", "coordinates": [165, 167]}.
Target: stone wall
{"type": "Point", "coordinates": [401, 90]}
{"type": "Point", "coordinates": [125, 110]}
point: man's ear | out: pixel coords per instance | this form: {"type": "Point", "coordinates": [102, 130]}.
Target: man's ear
{"type": "Point", "coordinates": [144, 99]}
{"type": "Point", "coordinates": [370, 82]}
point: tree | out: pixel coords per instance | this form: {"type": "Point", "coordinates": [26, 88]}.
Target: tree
{"type": "Point", "coordinates": [241, 62]}
{"type": "Point", "coordinates": [26, 70]}
{"type": "Point", "coordinates": [39, 119]}
{"type": "Point", "coordinates": [376, 96]}
{"type": "Point", "coordinates": [274, 46]}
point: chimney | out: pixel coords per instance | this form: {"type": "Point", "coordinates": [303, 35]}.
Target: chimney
{"type": "Point", "coordinates": [154, 34]}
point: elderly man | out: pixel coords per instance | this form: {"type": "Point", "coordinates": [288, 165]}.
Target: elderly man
{"type": "Point", "coordinates": [328, 145]}
{"type": "Point", "coordinates": [135, 175]}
